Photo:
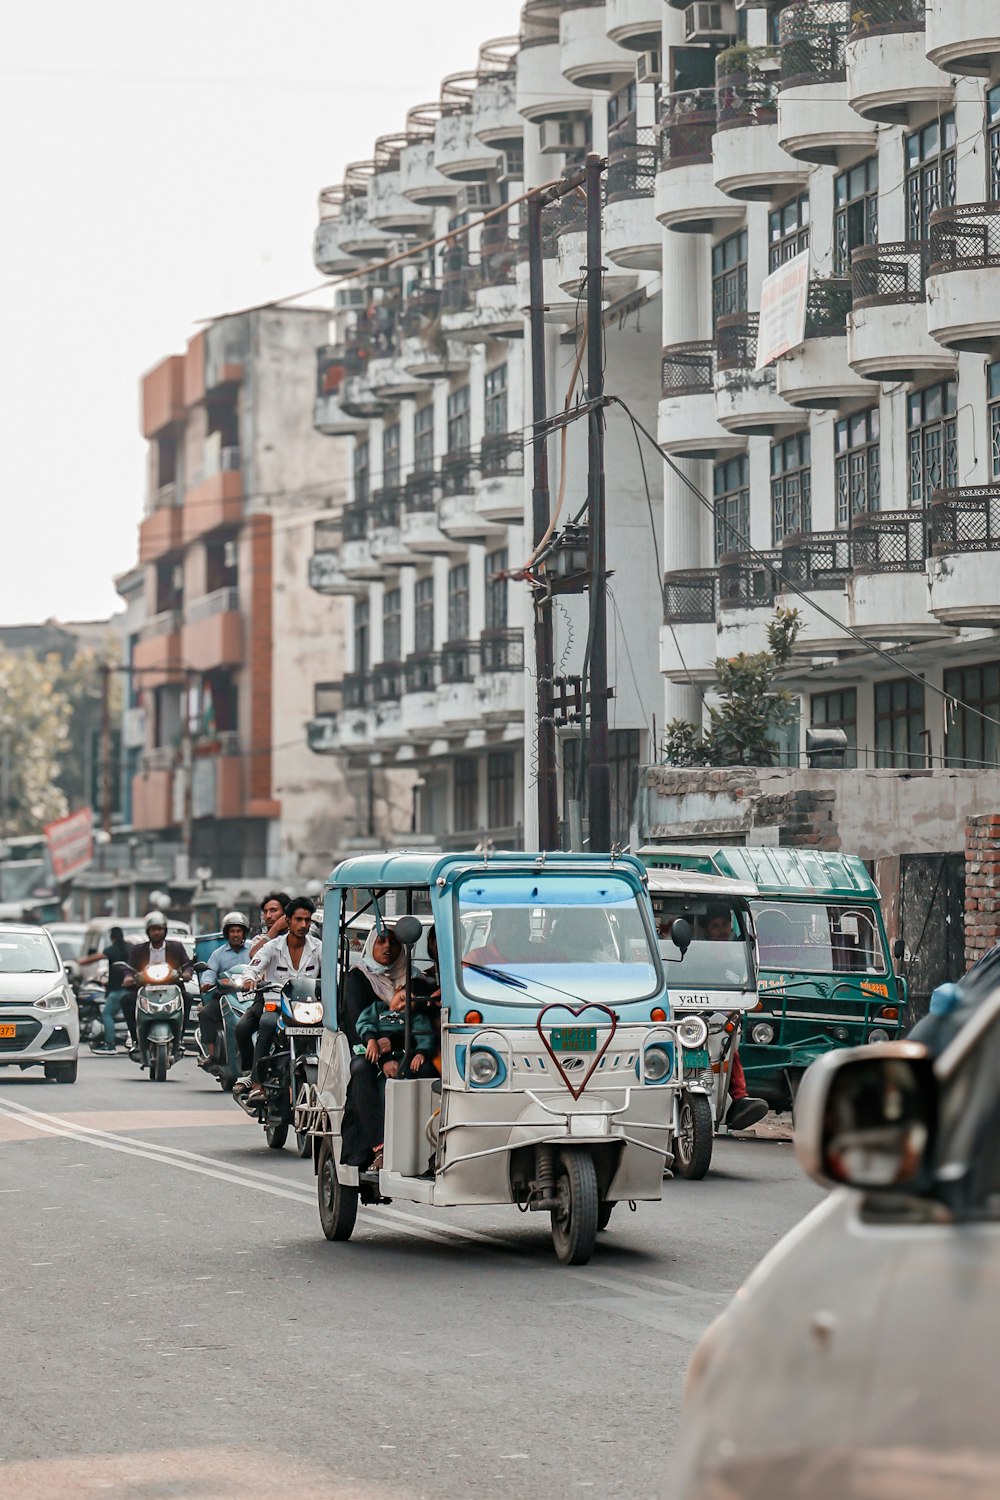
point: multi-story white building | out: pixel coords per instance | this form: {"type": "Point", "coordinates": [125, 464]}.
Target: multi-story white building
{"type": "Point", "coordinates": [860, 465]}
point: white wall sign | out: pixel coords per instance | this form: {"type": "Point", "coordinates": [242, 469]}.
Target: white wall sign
{"type": "Point", "coordinates": [783, 310]}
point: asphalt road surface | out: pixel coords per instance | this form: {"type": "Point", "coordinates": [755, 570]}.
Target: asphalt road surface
{"type": "Point", "coordinates": [175, 1326]}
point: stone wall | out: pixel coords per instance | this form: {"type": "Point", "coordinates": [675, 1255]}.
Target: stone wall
{"type": "Point", "coordinates": [982, 885]}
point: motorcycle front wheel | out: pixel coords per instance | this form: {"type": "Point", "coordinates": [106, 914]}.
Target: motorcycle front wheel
{"type": "Point", "coordinates": [276, 1135]}
{"type": "Point", "coordinates": [695, 1137]}
{"type": "Point", "coordinates": [158, 1063]}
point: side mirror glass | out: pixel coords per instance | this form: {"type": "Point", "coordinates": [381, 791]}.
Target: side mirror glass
{"type": "Point", "coordinates": [899, 950]}
{"type": "Point", "coordinates": [408, 930]}
{"type": "Point", "coordinates": [681, 934]}
{"type": "Point", "coordinates": [867, 1118]}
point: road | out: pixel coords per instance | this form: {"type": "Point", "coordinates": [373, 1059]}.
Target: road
{"type": "Point", "coordinates": [176, 1325]}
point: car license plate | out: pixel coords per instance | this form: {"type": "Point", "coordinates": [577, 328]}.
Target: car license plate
{"type": "Point", "coordinates": [696, 1060]}
{"type": "Point", "coordinates": [574, 1039]}
{"type": "Point", "coordinates": [8, 1029]}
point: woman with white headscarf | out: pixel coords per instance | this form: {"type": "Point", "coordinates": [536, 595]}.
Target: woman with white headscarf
{"type": "Point", "coordinates": [380, 971]}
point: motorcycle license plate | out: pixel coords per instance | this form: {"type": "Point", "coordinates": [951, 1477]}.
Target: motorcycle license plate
{"type": "Point", "coordinates": [304, 1030]}
{"type": "Point", "coordinates": [697, 1060]}
{"type": "Point", "coordinates": [574, 1039]}
{"type": "Point", "coordinates": [8, 1029]}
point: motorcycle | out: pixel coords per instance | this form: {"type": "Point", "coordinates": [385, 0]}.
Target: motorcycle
{"type": "Point", "coordinates": [159, 1019]}
{"type": "Point", "coordinates": [288, 1073]}
{"type": "Point", "coordinates": [234, 1002]}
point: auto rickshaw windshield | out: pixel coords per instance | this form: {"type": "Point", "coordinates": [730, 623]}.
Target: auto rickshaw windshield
{"type": "Point", "coordinates": [813, 937]}
{"type": "Point", "coordinates": [526, 940]}
{"type": "Point", "coordinates": [719, 955]}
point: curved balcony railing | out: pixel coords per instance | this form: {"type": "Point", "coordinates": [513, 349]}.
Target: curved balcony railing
{"type": "Point", "coordinates": [456, 473]}
{"type": "Point", "coordinates": [889, 541]}
{"type": "Point", "coordinates": [812, 39]}
{"type": "Point", "coordinates": [879, 17]}
{"type": "Point", "coordinates": [736, 341]}
{"type": "Point", "coordinates": [817, 559]}
{"type": "Point", "coordinates": [883, 275]}
{"type": "Point", "coordinates": [501, 650]}
{"type": "Point", "coordinates": [459, 283]}
{"type": "Point", "coordinates": [747, 92]}
{"type": "Point", "coordinates": [357, 690]}
{"type": "Point", "coordinates": [550, 233]}
{"type": "Point", "coordinates": [965, 237]}
{"type": "Point", "coordinates": [687, 122]}
{"type": "Point", "coordinates": [387, 682]}
{"type": "Point", "coordinates": [749, 582]}
{"type": "Point", "coordinates": [421, 672]}
{"type": "Point", "coordinates": [827, 306]}
{"type": "Point", "coordinates": [420, 491]}
{"type": "Point", "coordinates": [503, 453]}
{"type": "Point", "coordinates": [356, 519]}
{"type": "Point", "coordinates": [386, 505]}
{"type": "Point", "coordinates": [632, 163]}
{"type": "Point", "coordinates": [965, 520]}
{"type": "Point", "coordinates": [688, 369]}
{"type": "Point", "coordinates": [571, 213]}
{"type": "Point", "coordinates": [459, 660]}
{"type": "Point", "coordinates": [691, 596]}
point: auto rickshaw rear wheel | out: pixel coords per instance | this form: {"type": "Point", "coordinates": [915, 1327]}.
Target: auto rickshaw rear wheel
{"type": "Point", "coordinates": [695, 1137]}
{"type": "Point", "coordinates": [338, 1204]}
{"type": "Point", "coordinates": [574, 1222]}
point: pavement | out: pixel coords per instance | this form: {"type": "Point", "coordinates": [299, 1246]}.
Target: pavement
{"type": "Point", "coordinates": [177, 1328]}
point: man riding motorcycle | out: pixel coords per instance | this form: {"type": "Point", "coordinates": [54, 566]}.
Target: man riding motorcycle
{"type": "Point", "coordinates": [232, 953]}
{"type": "Point", "coordinates": [296, 953]}
{"type": "Point", "coordinates": [156, 950]}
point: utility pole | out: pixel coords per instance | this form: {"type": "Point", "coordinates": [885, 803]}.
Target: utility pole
{"type": "Point", "coordinates": [548, 808]}
{"type": "Point", "coordinates": [106, 747]}
{"type": "Point", "coordinates": [599, 770]}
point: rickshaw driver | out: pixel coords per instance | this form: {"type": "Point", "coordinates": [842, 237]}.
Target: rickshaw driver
{"type": "Point", "coordinates": [509, 940]}
{"type": "Point", "coordinates": [744, 1110]}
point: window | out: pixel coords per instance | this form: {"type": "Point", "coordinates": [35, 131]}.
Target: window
{"type": "Point", "coordinates": [855, 212]}
{"type": "Point", "coordinates": [838, 711]}
{"type": "Point", "coordinates": [362, 473]}
{"type": "Point", "coordinates": [465, 786]}
{"type": "Point", "coordinates": [899, 723]}
{"type": "Point", "coordinates": [993, 143]}
{"type": "Point", "coordinates": [993, 416]}
{"type": "Point", "coordinates": [819, 939]}
{"type": "Point", "coordinates": [495, 392]}
{"type": "Point", "coordinates": [423, 614]}
{"type": "Point", "coordinates": [931, 442]}
{"type": "Point", "coordinates": [729, 275]}
{"type": "Point", "coordinates": [858, 465]}
{"type": "Point", "coordinates": [500, 789]}
{"type": "Point", "coordinates": [392, 625]}
{"type": "Point", "coordinates": [458, 603]}
{"type": "Point", "coordinates": [390, 455]}
{"type": "Point", "coordinates": [930, 173]}
{"type": "Point", "coordinates": [787, 231]}
{"type": "Point", "coordinates": [458, 420]}
{"type": "Point", "coordinates": [423, 440]}
{"type": "Point", "coordinates": [361, 635]}
{"type": "Point", "coordinates": [622, 104]}
{"type": "Point", "coordinates": [791, 487]}
{"type": "Point", "coordinates": [496, 590]}
{"type": "Point", "coordinates": [970, 740]}
{"type": "Point", "coordinates": [731, 493]}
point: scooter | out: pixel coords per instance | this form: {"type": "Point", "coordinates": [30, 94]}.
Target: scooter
{"type": "Point", "coordinates": [290, 1069]}
{"type": "Point", "coordinates": [234, 1002]}
{"type": "Point", "coordinates": [159, 1020]}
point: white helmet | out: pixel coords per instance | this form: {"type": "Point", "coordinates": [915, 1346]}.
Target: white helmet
{"type": "Point", "coordinates": [155, 919]}
{"type": "Point", "coordinates": [234, 919]}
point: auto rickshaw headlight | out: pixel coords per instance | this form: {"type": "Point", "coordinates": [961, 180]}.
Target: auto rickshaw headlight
{"type": "Point", "coordinates": [762, 1034]}
{"type": "Point", "coordinates": [692, 1032]}
{"type": "Point", "coordinates": [879, 1034]}
{"type": "Point", "coordinates": [656, 1062]}
{"type": "Point", "coordinates": [484, 1066]}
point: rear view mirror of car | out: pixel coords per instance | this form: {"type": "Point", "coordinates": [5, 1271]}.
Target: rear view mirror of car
{"type": "Point", "coordinates": [867, 1118]}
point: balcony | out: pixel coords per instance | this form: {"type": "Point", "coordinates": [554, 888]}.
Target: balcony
{"type": "Point", "coordinates": [888, 596]}
{"type": "Point", "coordinates": [385, 537]}
{"type": "Point", "coordinates": [501, 675]}
{"type": "Point", "coordinates": [886, 339]}
{"type": "Point", "coordinates": [329, 256]}
{"type": "Point", "coordinates": [326, 575]}
{"type": "Point", "coordinates": [688, 645]}
{"type": "Point", "coordinates": [420, 710]}
{"type": "Point", "coordinates": [458, 152]}
{"type": "Point", "coordinates": [687, 198]}
{"type": "Point", "coordinates": [889, 75]}
{"type": "Point", "coordinates": [816, 376]}
{"type": "Point", "coordinates": [322, 730]}
{"type": "Point", "coordinates": [748, 164]}
{"type": "Point", "coordinates": [157, 655]}
{"type": "Point", "coordinates": [153, 799]}
{"type": "Point", "coordinates": [421, 532]}
{"type": "Point", "coordinates": [635, 24]}
{"type": "Point", "coordinates": [746, 399]}
{"type": "Point", "coordinates": [572, 242]}
{"type": "Point", "coordinates": [358, 236]}
{"type": "Point", "coordinates": [215, 498]}
{"type": "Point", "coordinates": [217, 780]}
{"type": "Point", "coordinates": [687, 424]}
{"type": "Point", "coordinates": [333, 363]}
{"type": "Point", "coordinates": [963, 37]}
{"type": "Point", "coordinates": [357, 559]}
{"type": "Point", "coordinates": [815, 121]}
{"type": "Point", "coordinates": [964, 534]}
{"type": "Point", "coordinates": [160, 532]}
{"type": "Point", "coordinates": [390, 210]}
{"type": "Point", "coordinates": [632, 237]}
{"type": "Point", "coordinates": [436, 360]}
{"type": "Point", "coordinates": [419, 178]}
{"type": "Point", "coordinates": [212, 635]}
{"type": "Point", "coordinates": [500, 492]}
{"type": "Point", "coordinates": [163, 396]}
{"type": "Point", "coordinates": [458, 517]}
{"type": "Point", "coordinates": [542, 92]}
{"type": "Point", "coordinates": [459, 709]}
{"type": "Point", "coordinates": [819, 563]}
{"type": "Point", "coordinates": [495, 117]}
{"type": "Point", "coordinates": [963, 279]}
{"type": "Point", "coordinates": [590, 60]}
{"type": "Point", "coordinates": [748, 591]}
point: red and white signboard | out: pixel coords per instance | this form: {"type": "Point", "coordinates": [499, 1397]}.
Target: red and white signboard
{"type": "Point", "coordinates": [783, 299]}
{"type": "Point", "coordinates": [71, 843]}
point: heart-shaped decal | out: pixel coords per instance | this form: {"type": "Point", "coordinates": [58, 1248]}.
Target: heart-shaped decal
{"type": "Point", "coordinates": [568, 1045]}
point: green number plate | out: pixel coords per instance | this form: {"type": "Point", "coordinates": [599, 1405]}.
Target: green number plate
{"type": "Point", "coordinates": [696, 1061]}
{"type": "Point", "coordinates": [574, 1039]}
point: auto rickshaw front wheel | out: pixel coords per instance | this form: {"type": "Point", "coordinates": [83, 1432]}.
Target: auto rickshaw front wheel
{"type": "Point", "coordinates": [338, 1204]}
{"type": "Point", "coordinates": [575, 1221]}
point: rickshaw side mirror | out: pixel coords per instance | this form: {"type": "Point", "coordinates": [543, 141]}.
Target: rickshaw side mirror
{"type": "Point", "coordinates": [408, 931]}
{"type": "Point", "coordinates": [899, 950]}
{"type": "Point", "coordinates": [681, 934]}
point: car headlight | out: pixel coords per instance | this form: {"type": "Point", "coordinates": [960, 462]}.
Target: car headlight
{"type": "Point", "coordinates": [307, 1012]}
{"type": "Point", "coordinates": [58, 1000]}
{"type": "Point", "coordinates": [878, 1034]}
{"type": "Point", "coordinates": [692, 1032]}
{"type": "Point", "coordinates": [762, 1033]}
{"type": "Point", "coordinates": [656, 1062]}
{"type": "Point", "coordinates": [484, 1066]}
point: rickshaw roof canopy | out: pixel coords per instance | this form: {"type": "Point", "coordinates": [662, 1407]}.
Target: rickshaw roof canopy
{"type": "Point", "coordinates": [416, 869]}
{"type": "Point", "coordinates": [775, 871]}
{"type": "Point", "coordinates": [697, 883]}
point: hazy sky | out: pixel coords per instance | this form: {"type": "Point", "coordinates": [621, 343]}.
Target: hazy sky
{"type": "Point", "coordinates": [161, 164]}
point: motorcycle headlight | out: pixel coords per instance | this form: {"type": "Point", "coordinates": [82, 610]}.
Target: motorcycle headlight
{"type": "Point", "coordinates": [307, 1012]}
{"type": "Point", "coordinates": [762, 1034]}
{"type": "Point", "coordinates": [58, 1000]}
{"type": "Point", "coordinates": [155, 1004]}
{"type": "Point", "coordinates": [692, 1032]}
{"type": "Point", "coordinates": [483, 1066]}
{"type": "Point", "coordinates": [656, 1061]}
{"type": "Point", "coordinates": [878, 1034]}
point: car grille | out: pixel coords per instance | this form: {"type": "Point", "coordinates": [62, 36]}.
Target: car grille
{"type": "Point", "coordinates": [27, 1032]}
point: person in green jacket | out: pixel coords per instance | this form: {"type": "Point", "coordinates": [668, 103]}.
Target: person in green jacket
{"type": "Point", "coordinates": [381, 1029]}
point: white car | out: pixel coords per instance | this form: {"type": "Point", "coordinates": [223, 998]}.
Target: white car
{"type": "Point", "coordinates": [39, 1025]}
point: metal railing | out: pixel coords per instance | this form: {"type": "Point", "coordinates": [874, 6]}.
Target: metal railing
{"type": "Point", "coordinates": [748, 582]}
{"type": "Point", "coordinates": [889, 541]}
{"type": "Point", "coordinates": [736, 341]}
{"type": "Point", "coordinates": [420, 672]}
{"type": "Point", "coordinates": [167, 622]}
{"type": "Point", "coordinates": [632, 162]}
{"type": "Point", "coordinates": [688, 369]}
{"type": "Point", "coordinates": [965, 520]}
{"type": "Point", "coordinates": [459, 283]}
{"type": "Point", "coordinates": [420, 491]}
{"type": "Point", "coordinates": [883, 275]}
{"type": "Point", "coordinates": [879, 17]}
{"type": "Point", "coordinates": [817, 559]}
{"type": "Point", "coordinates": [456, 473]}
{"type": "Point", "coordinates": [387, 682]}
{"type": "Point", "coordinates": [687, 121]}
{"type": "Point", "coordinates": [829, 302]}
{"type": "Point", "coordinates": [501, 650]}
{"type": "Point", "coordinates": [747, 95]}
{"type": "Point", "coordinates": [328, 698]}
{"type": "Point", "coordinates": [386, 504]}
{"type": "Point", "coordinates": [503, 453]}
{"type": "Point", "coordinates": [459, 660]}
{"type": "Point", "coordinates": [812, 39]}
{"type": "Point", "coordinates": [965, 237]}
{"type": "Point", "coordinates": [163, 498]}
{"type": "Point", "coordinates": [356, 518]}
{"type": "Point", "coordinates": [357, 690]}
{"type": "Point", "coordinates": [691, 596]}
{"type": "Point", "coordinates": [570, 213]}
{"type": "Point", "coordinates": [218, 602]}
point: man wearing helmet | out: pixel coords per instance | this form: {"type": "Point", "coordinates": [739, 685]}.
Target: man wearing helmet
{"type": "Point", "coordinates": [156, 950]}
{"type": "Point", "coordinates": [233, 952]}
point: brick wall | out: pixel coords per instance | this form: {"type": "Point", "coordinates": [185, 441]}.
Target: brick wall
{"type": "Point", "coordinates": [982, 885]}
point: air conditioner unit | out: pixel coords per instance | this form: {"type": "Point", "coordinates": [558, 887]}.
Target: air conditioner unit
{"type": "Point", "coordinates": [511, 165]}
{"type": "Point", "coordinates": [649, 67]}
{"type": "Point", "coordinates": [351, 296]}
{"type": "Point", "coordinates": [562, 135]}
{"type": "Point", "coordinates": [709, 22]}
{"type": "Point", "coordinates": [478, 195]}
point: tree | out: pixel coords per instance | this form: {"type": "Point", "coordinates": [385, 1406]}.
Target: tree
{"type": "Point", "coordinates": [741, 726]}
{"type": "Point", "coordinates": [34, 734]}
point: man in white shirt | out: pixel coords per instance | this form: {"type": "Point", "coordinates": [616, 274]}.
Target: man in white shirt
{"type": "Point", "coordinates": [295, 954]}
